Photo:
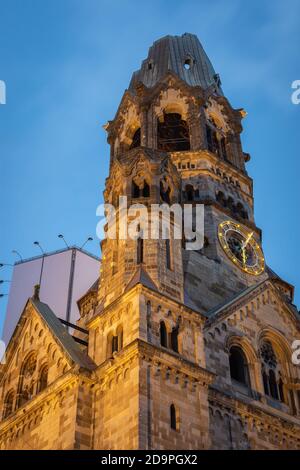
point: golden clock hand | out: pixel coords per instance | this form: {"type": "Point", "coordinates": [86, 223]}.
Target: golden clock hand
{"type": "Point", "coordinates": [244, 255]}
{"type": "Point", "coordinates": [247, 241]}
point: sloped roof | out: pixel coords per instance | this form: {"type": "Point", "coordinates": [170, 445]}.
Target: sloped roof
{"type": "Point", "coordinates": [63, 336]}
{"type": "Point", "coordinates": [170, 54]}
{"type": "Point", "coordinates": [216, 312]}
{"type": "Point", "coordinates": [141, 277]}
{"type": "Point", "coordinates": [219, 308]}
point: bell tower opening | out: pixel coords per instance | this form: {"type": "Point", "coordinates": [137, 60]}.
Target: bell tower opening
{"type": "Point", "coordinates": [173, 133]}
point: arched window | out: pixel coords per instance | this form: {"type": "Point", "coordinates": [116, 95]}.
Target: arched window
{"type": "Point", "coordinates": [273, 385]}
{"type": "Point", "coordinates": [165, 193]}
{"type": "Point", "coordinates": [26, 380]}
{"type": "Point", "coordinates": [142, 190]}
{"type": "Point", "coordinates": [173, 133]}
{"type": "Point", "coordinates": [230, 203]}
{"type": "Point", "coordinates": [109, 348]}
{"type": "Point", "coordinates": [221, 198]}
{"type": "Point", "coordinates": [265, 382]}
{"type": "Point", "coordinates": [119, 334]}
{"type": "Point", "coordinates": [212, 140]}
{"type": "Point", "coordinates": [43, 379]}
{"type": "Point", "coordinates": [174, 339]}
{"type": "Point", "coordinates": [140, 249]}
{"type": "Point", "coordinates": [8, 404]}
{"type": "Point", "coordinates": [238, 365]}
{"type": "Point", "coordinates": [168, 253]}
{"type": "Point", "coordinates": [114, 342]}
{"type": "Point", "coordinates": [223, 148]}
{"type": "Point", "coordinates": [280, 390]}
{"type": "Point", "coordinates": [189, 192]}
{"type": "Point", "coordinates": [271, 372]}
{"type": "Point", "coordinates": [241, 211]}
{"type": "Point", "coordinates": [135, 190]}
{"type": "Point", "coordinates": [174, 418]}
{"type": "Point", "coordinates": [163, 334]}
{"type": "Point", "coordinates": [146, 190]}
{"type": "Point", "coordinates": [136, 140]}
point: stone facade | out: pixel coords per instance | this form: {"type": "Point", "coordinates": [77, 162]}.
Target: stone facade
{"type": "Point", "coordinates": [174, 349]}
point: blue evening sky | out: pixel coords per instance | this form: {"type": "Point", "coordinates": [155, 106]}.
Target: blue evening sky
{"type": "Point", "coordinates": [66, 64]}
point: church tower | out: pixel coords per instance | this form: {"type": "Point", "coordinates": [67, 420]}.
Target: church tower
{"type": "Point", "coordinates": [176, 139]}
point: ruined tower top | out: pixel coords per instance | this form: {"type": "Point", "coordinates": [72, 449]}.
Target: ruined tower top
{"type": "Point", "coordinates": [182, 55]}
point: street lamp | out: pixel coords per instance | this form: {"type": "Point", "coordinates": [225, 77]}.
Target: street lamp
{"type": "Point", "coordinates": [89, 239]}
{"type": "Point", "coordinates": [3, 295]}
{"type": "Point", "coordinates": [5, 264]}
{"type": "Point", "coordinates": [17, 253]}
{"type": "Point", "coordinates": [3, 280]}
{"type": "Point", "coordinates": [39, 245]}
{"type": "Point", "coordinates": [43, 259]}
{"type": "Point", "coordinates": [63, 238]}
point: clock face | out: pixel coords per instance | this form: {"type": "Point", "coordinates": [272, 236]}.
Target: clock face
{"type": "Point", "coordinates": [241, 247]}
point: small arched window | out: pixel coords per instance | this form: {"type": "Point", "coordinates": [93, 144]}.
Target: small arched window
{"type": "Point", "coordinates": [26, 386]}
{"type": "Point", "coordinates": [140, 191]}
{"type": "Point", "coordinates": [168, 253]}
{"type": "Point", "coordinates": [238, 365]}
{"type": "Point", "coordinates": [8, 404]}
{"type": "Point", "coordinates": [140, 249]}
{"type": "Point", "coordinates": [212, 140]}
{"type": "Point", "coordinates": [119, 334]}
{"type": "Point", "coordinates": [189, 192]}
{"type": "Point", "coordinates": [146, 190]}
{"type": "Point", "coordinates": [221, 198]}
{"type": "Point", "coordinates": [174, 339]}
{"type": "Point", "coordinates": [163, 334]}
{"type": "Point", "coordinates": [136, 140]}
{"type": "Point", "coordinates": [273, 385]}
{"type": "Point", "coordinates": [165, 193]}
{"type": "Point", "coordinates": [43, 379]}
{"type": "Point", "coordinates": [174, 418]}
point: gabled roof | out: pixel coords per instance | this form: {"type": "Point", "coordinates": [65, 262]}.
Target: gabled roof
{"type": "Point", "coordinates": [59, 332]}
{"type": "Point", "coordinates": [62, 335]}
{"type": "Point", "coordinates": [141, 277]}
{"type": "Point", "coordinates": [216, 313]}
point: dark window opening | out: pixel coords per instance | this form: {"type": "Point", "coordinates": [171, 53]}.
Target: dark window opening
{"type": "Point", "coordinates": [273, 385]}
{"type": "Point", "coordinates": [163, 334]}
{"type": "Point", "coordinates": [173, 134]}
{"type": "Point", "coordinates": [135, 190]}
{"type": "Point", "coordinates": [293, 404]}
{"type": "Point", "coordinates": [174, 339]}
{"type": "Point", "coordinates": [168, 253]}
{"type": "Point", "coordinates": [165, 194]}
{"type": "Point", "coordinates": [189, 192]}
{"type": "Point", "coordinates": [140, 250]}
{"type": "Point", "coordinates": [280, 390]}
{"type": "Point", "coordinates": [238, 366]}
{"type": "Point", "coordinates": [266, 383]}
{"type": "Point", "coordinates": [140, 192]}
{"type": "Point", "coordinates": [114, 347]}
{"type": "Point", "coordinates": [212, 140]}
{"type": "Point", "coordinates": [221, 198]}
{"type": "Point", "coordinates": [8, 405]}
{"type": "Point", "coordinates": [146, 190]}
{"type": "Point", "coordinates": [173, 418]}
{"type": "Point", "coordinates": [43, 380]}
{"type": "Point", "coordinates": [136, 140]}
{"type": "Point", "coordinates": [223, 149]}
